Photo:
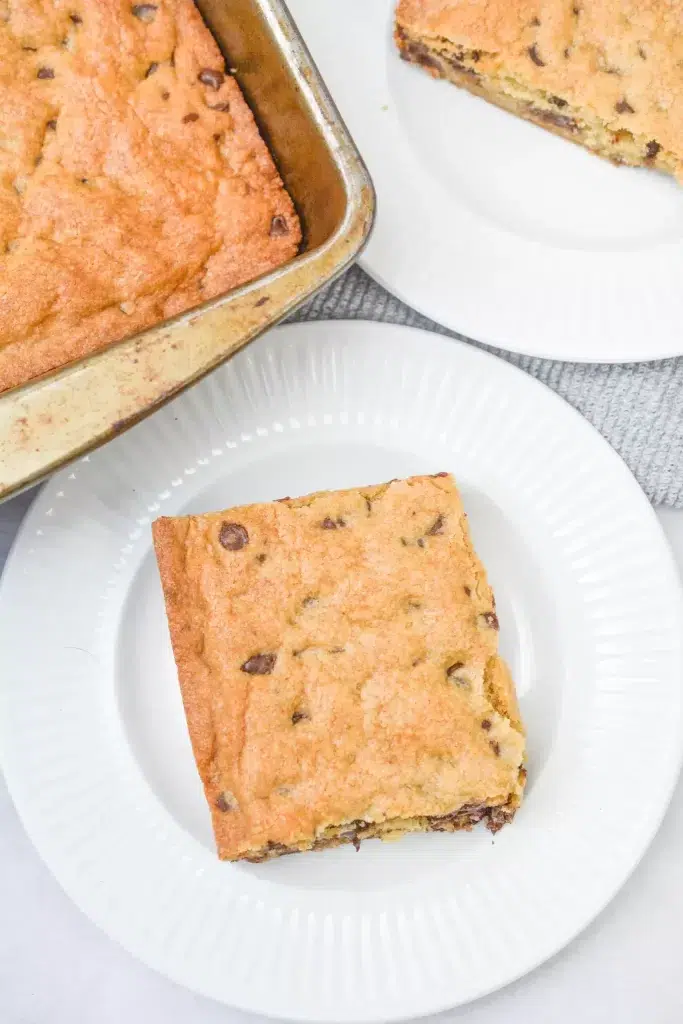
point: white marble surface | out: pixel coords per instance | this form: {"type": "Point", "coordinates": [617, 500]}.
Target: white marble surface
{"type": "Point", "coordinates": [57, 968]}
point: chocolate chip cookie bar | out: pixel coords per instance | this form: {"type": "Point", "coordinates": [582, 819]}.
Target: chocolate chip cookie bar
{"type": "Point", "coordinates": [338, 661]}
{"type": "Point", "coordinates": [603, 73]}
{"type": "Point", "coordinates": [134, 184]}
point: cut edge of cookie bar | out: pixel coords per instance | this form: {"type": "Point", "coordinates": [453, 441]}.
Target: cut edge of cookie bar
{"type": "Point", "coordinates": [494, 816]}
{"type": "Point", "coordinates": [442, 58]}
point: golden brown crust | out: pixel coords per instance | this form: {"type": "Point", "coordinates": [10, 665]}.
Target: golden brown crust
{"type": "Point", "coordinates": [337, 656]}
{"type": "Point", "coordinates": [128, 193]}
{"type": "Point", "coordinates": [605, 73]}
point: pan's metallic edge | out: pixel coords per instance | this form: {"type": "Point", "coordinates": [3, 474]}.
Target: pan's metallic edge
{"type": "Point", "coordinates": [48, 423]}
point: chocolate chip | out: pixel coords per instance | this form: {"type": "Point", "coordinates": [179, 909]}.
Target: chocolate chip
{"type": "Point", "coordinates": [566, 53]}
{"type": "Point", "coordinates": [436, 527]}
{"type": "Point", "coordinates": [76, 19]}
{"type": "Point", "coordinates": [259, 664]}
{"type": "Point", "coordinates": [535, 22]}
{"type": "Point", "coordinates": [651, 150]}
{"type": "Point", "coordinates": [51, 126]}
{"type": "Point", "coordinates": [489, 620]}
{"type": "Point", "coordinates": [38, 160]}
{"type": "Point", "coordinates": [264, 298]}
{"type": "Point", "coordinates": [233, 536]}
{"type": "Point", "coordinates": [165, 94]}
{"type": "Point", "coordinates": [624, 107]}
{"type": "Point", "coordinates": [332, 524]}
{"type": "Point", "coordinates": [420, 542]}
{"type": "Point", "coordinates": [286, 498]}
{"type": "Point", "coordinates": [300, 716]}
{"type": "Point", "coordinates": [44, 72]}
{"type": "Point", "coordinates": [337, 650]}
{"type": "Point", "coordinates": [576, 11]}
{"type": "Point", "coordinates": [223, 107]}
{"type": "Point", "coordinates": [30, 49]}
{"type": "Point", "coordinates": [190, 117]}
{"type": "Point", "coordinates": [439, 474]}
{"type": "Point", "coordinates": [151, 69]}
{"type": "Point", "coordinates": [641, 53]}
{"type": "Point", "coordinates": [404, 542]}
{"type": "Point", "coordinates": [533, 53]}
{"type": "Point", "coordinates": [557, 101]}
{"type": "Point", "coordinates": [261, 558]}
{"type": "Point", "coordinates": [368, 505]}
{"type": "Point", "coordinates": [209, 76]}
{"type": "Point", "coordinates": [278, 227]}
{"type": "Point", "coordinates": [226, 801]}
{"type": "Point", "coordinates": [550, 117]}
{"type": "Point", "coordinates": [486, 724]}
{"type": "Point", "coordinates": [495, 747]}
{"type": "Point", "coordinates": [468, 590]}
{"type": "Point", "coordinates": [145, 12]}
{"type": "Point", "coordinates": [419, 54]}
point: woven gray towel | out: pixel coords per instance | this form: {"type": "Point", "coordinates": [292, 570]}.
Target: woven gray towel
{"type": "Point", "coordinates": [638, 407]}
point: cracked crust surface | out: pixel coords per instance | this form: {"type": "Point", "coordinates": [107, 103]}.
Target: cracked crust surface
{"type": "Point", "coordinates": [338, 661]}
{"type": "Point", "coordinates": [604, 73]}
{"type": "Point", "coordinates": [133, 182]}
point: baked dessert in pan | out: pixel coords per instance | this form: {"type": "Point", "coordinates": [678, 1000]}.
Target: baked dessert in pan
{"type": "Point", "coordinates": [134, 184]}
{"type": "Point", "coordinates": [338, 661]}
{"type": "Point", "coordinates": [603, 73]}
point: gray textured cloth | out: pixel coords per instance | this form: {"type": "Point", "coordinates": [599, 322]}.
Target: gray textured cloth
{"type": "Point", "coordinates": [638, 407]}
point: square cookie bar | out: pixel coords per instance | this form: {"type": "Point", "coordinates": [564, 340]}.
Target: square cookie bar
{"type": "Point", "coordinates": [338, 661]}
{"type": "Point", "coordinates": [604, 73]}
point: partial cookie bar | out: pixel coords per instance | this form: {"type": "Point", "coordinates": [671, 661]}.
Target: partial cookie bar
{"type": "Point", "coordinates": [603, 73]}
{"type": "Point", "coordinates": [338, 661]}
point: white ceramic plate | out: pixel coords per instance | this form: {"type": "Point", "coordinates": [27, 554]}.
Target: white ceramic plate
{"type": "Point", "coordinates": [92, 732]}
{"type": "Point", "coordinates": [495, 227]}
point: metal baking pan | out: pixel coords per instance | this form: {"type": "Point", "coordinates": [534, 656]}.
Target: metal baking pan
{"type": "Point", "coordinates": [48, 422]}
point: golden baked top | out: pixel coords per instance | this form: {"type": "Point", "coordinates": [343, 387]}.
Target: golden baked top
{"type": "Point", "coordinates": [620, 59]}
{"type": "Point", "coordinates": [338, 661]}
{"type": "Point", "coordinates": [133, 181]}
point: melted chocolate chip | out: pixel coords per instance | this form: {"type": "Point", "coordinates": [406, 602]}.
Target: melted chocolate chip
{"type": "Point", "coordinates": [225, 801]}
{"type": "Point", "coordinates": [624, 107]}
{"type": "Point", "coordinates": [436, 527]}
{"type": "Point", "coordinates": [45, 73]}
{"type": "Point", "coordinates": [190, 117]}
{"type": "Point", "coordinates": [209, 76]}
{"type": "Point", "coordinates": [533, 54]}
{"type": "Point", "coordinates": [550, 117]}
{"type": "Point", "coordinates": [233, 536]}
{"type": "Point", "coordinates": [151, 69]}
{"type": "Point", "coordinates": [278, 227]}
{"type": "Point", "coordinates": [145, 12]}
{"type": "Point", "coordinates": [486, 724]}
{"type": "Point", "coordinates": [300, 716]}
{"type": "Point", "coordinates": [259, 664]}
{"type": "Point", "coordinates": [490, 620]}
{"type": "Point", "coordinates": [332, 524]}
{"type": "Point", "coordinates": [651, 150]}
